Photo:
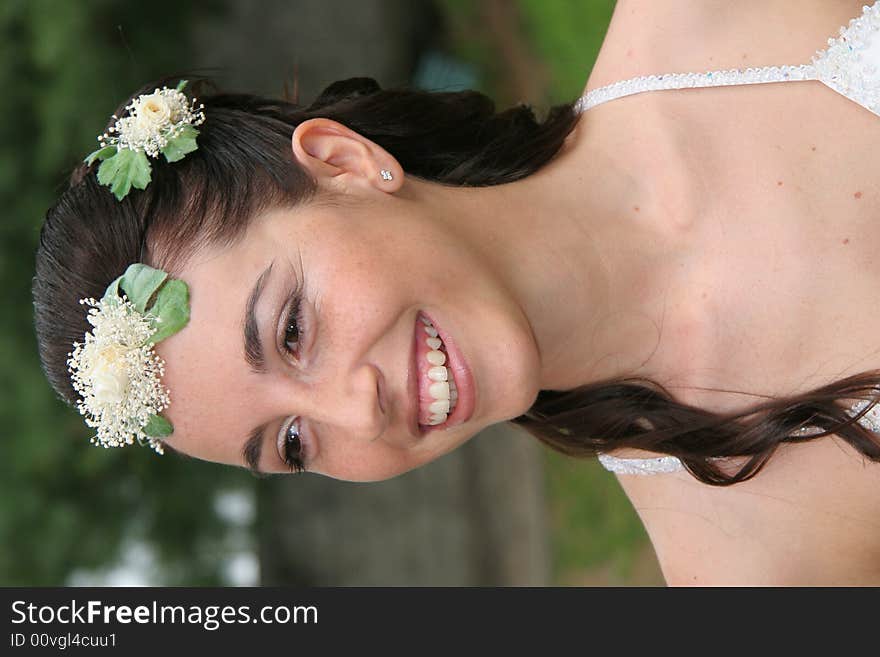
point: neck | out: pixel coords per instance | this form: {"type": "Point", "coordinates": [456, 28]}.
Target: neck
{"type": "Point", "coordinates": [597, 249]}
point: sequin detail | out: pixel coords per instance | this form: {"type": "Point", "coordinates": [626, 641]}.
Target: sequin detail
{"type": "Point", "coordinates": [665, 464]}
{"type": "Point", "coordinates": [849, 65]}
{"type": "Point", "coordinates": [657, 465]}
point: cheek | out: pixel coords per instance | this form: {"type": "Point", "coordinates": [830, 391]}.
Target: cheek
{"type": "Point", "coordinates": [399, 257]}
{"type": "Point", "coordinates": [379, 461]}
{"type": "Point", "coordinates": [356, 285]}
{"type": "Point", "coordinates": [367, 463]}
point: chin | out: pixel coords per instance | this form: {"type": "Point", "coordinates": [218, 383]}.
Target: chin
{"type": "Point", "coordinates": [520, 393]}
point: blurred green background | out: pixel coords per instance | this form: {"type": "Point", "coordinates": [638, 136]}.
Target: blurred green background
{"type": "Point", "coordinates": [72, 514]}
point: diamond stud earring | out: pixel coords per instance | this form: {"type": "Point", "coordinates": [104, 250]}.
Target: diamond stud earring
{"type": "Point", "coordinates": [386, 174]}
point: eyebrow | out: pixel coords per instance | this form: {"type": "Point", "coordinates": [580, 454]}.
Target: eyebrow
{"type": "Point", "coordinates": [252, 462]}
{"type": "Point", "coordinates": [253, 347]}
{"type": "Point", "coordinates": [253, 446]}
{"type": "Point", "coordinates": [252, 469]}
{"type": "Point", "coordinates": [253, 354]}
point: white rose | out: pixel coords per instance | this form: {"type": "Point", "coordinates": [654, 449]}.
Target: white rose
{"type": "Point", "coordinates": [152, 113]}
{"type": "Point", "coordinates": [109, 379]}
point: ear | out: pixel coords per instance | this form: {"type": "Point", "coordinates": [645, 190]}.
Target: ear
{"type": "Point", "coordinates": [338, 156]}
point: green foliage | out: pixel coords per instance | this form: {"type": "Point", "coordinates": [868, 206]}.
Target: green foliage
{"type": "Point", "coordinates": [592, 522]}
{"type": "Point", "coordinates": [100, 154]}
{"type": "Point", "coordinates": [466, 26]}
{"type": "Point", "coordinates": [65, 505]}
{"type": "Point", "coordinates": [124, 170]}
{"type": "Point", "coordinates": [183, 143]}
{"type": "Point", "coordinates": [567, 36]}
{"type": "Point", "coordinates": [158, 427]}
{"type": "Point", "coordinates": [171, 308]}
{"type": "Point", "coordinates": [139, 283]}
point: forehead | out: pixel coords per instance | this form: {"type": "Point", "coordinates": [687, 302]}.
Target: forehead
{"type": "Point", "coordinates": [212, 387]}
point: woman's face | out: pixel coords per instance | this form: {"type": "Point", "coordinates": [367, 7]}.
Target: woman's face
{"type": "Point", "coordinates": [347, 383]}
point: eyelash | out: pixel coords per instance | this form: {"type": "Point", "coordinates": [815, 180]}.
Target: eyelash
{"type": "Point", "coordinates": [295, 463]}
{"type": "Point", "coordinates": [293, 322]}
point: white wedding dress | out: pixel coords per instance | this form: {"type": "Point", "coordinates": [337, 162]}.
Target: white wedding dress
{"type": "Point", "coordinates": [850, 65]}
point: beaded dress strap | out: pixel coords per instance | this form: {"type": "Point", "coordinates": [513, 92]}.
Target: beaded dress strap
{"type": "Point", "coordinates": [687, 80]}
{"type": "Point", "coordinates": [658, 465]}
{"type": "Point", "coordinates": [850, 65]}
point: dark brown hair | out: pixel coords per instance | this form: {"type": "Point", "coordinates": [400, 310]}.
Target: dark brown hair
{"type": "Point", "coordinates": [244, 165]}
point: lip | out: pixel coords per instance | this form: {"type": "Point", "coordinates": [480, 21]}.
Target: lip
{"type": "Point", "coordinates": [380, 392]}
{"type": "Point", "coordinates": [413, 383]}
{"type": "Point", "coordinates": [460, 373]}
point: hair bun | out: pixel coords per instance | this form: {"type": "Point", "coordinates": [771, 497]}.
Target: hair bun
{"type": "Point", "coordinates": [345, 90]}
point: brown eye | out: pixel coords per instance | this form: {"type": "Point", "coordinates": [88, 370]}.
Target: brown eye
{"type": "Point", "coordinates": [293, 449]}
{"type": "Point", "coordinates": [292, 329]}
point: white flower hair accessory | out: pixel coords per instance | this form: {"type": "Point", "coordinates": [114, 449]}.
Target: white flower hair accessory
{"type": "Point", "coordinates": [115, 370]}
{"type": "Point", "coordinates": [161, 122]}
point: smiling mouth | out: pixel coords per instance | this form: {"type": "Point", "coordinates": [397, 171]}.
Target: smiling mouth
{"type": "Point", "coordinates": [445, 394]}
{"type": "Point", "coordinates": [438, 394]}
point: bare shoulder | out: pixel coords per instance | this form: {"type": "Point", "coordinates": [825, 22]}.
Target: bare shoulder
{"type": "Point", "coordinates": [788, 525]}
{"type": "Point", "coordinates": [646, 37]}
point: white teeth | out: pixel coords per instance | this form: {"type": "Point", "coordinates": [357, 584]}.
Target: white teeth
{"type": "Point", "coordinates": [438, 373]}
{"type": "Point", "coordinates": [442, 389]}
{"type": "Point", "coordinates": [439, 390]}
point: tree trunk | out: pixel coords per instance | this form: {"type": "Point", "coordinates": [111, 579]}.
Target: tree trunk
{"type": "Point", "coordinates": [473, 518]}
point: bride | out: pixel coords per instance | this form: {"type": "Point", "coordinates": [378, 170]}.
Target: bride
{"type": "Point", "coordinates": [673, 272]}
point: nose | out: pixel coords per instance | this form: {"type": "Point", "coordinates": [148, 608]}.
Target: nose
{"type": "Point", "coordinates": [339, 404]}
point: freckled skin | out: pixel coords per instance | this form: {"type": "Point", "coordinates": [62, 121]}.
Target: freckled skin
{"type": "Point", "coordinates": [359, 312]}
{"type": "Point", "coordinates": [364, 269]}
{"type": "Point", "coordinates": [857, 195]}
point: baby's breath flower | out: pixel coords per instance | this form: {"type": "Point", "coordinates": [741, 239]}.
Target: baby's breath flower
{"type": "Point", "coordinates": [117, 374]}
{"type": "Point", "coordinates": [163, 122]}
{"type": "Point", "coordinates": [152, 120]}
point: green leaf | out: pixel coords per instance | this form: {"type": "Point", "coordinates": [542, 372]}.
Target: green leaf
{"type": "Point", "coordinates": [101, 153]}
{"type": "Point", "coordinates": [140, 282]}
{"type": "Point", "coordinates": [158, 427]}
{"type": "Point", "coordinates": [125, 170]}
{"type": "Point", "coordinates": [183, 143]}
{"type": "Point", "coordinates": [181, 85]}
{"type": "Point", "coordinates": [112, 291]}
{"type": "Point", "coordinates": [171, 308]}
